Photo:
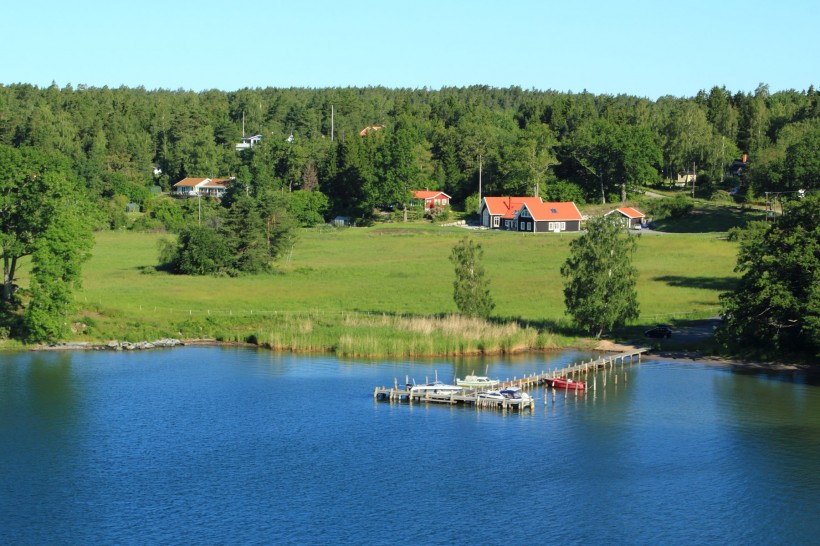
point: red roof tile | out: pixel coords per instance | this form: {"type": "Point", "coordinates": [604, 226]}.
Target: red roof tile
{"type": "Point", "coordinates": [629, 212]}
{"type": "Point", "coordinates": [506, 207]}
{"type": "Point", "coordinates": [554, 211]}
{"type": "Point", "coordinates": [369, 128]}
{"type": "Point", "coordinates": [189, 182]}
{"type": "Point", "coordinates": [428, 194]}
{"type": "Point", "coordinates": [193, 182]}
{"type": "Point", "coordinates": [632, 213]}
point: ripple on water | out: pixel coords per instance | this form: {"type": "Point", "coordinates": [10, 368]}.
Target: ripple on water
{"type": "Point", "coordinates": [207, 445]}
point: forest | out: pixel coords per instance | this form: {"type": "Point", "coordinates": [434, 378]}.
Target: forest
{"type": "Point", "coordinates": [355, 150]}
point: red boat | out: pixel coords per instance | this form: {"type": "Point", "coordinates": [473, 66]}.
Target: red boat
{"type": "Point", "coordinates": [565, 383]}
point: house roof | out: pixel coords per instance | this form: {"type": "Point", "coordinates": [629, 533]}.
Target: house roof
{"type": "Point", "coordinates": [506, 207]}
{"type": "Point", "coordinates": [369, 128]}
{"type": "Point", "coordinates": [428, 194]}
{"type": "Point", "coordinates": [551, 211]}
{"type": "Point", "coordinates": [217, 182]}
{"type": "Point", "coordinates": [629, 212]}
{"type": "Point", "coordinates": [194, 182]}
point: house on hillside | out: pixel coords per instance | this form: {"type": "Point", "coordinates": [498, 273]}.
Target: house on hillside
{"type": "Point", "coordinates": [529, 214]}
{"type": "Point", "coordinates": [248, 142]}
{"type": "Point", "coordinates": [430, 198]}
{"type": "Point", "coordinates": [631, 218]}
{"type": "Point", "coordinates": [685, 178]}
{"type": "Point", "coordinates": [197, 187]}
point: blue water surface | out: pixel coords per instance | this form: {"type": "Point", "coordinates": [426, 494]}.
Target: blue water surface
{"type": "Point", "coordinates": [207, 445]}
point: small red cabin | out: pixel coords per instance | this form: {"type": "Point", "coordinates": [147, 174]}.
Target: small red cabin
{"type": "Point", "coordinates": [431, 198]}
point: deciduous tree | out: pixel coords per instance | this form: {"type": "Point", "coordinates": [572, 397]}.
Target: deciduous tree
{"type": "Point", "coordinates": [776, 305]}
{"type": "Point", "coordinates": [599, 278]}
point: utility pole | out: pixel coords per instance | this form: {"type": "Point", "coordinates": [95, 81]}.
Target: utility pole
{"type": "Point", "coordinates": [479, 181]}
{"type": "Point", "coordinates": [331, 122]}
{"type": "Point", "coordinates": [694, 179]}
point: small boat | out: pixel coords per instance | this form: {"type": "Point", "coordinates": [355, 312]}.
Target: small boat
{"type": "Point", "coordinates": [477, 382]}
{"type": "Point", "coordinates": [515, 393]}
{"type": "Point", "coordinates": [566, 383]}
{"type": "Point", "coordinates": [436, 387]}
{"type": "Point", "coordinates": [491, 395]}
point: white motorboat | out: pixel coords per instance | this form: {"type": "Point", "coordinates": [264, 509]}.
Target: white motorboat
{"type": "Point", "coordinates": [436, 387]}
{"type": "Point", "coordinates": [491, 395]}
{"type": "Point", "coordinates": [515, 393]}
{"type": "Point", "coordinates": [477, 382]}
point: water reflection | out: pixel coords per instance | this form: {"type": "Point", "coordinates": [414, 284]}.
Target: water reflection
{"type": "Point", "coordinates": [230, 445]}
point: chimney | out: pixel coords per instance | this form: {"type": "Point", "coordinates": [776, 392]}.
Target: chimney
{"type": "Point", "coordinates": [745, 157]}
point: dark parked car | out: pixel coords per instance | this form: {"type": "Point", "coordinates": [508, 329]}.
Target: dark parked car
{"type": "Point", "coordinates": [661, 330]}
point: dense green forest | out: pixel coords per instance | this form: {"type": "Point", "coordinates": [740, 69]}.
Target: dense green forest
{"type": "Point", "coordinates": [561, 146]}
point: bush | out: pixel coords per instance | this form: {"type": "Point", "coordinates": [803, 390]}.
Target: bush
{"type": "Point", "coordinates": [721, 195]}
{"type": "Point", "coordinates": [676, 207]}
{"type": "Point", "coordinates": [147, 223]}
{"type": "Point", "coordinates": [471, 205]}
{"type": "Point", "coordinates": [438, 214]}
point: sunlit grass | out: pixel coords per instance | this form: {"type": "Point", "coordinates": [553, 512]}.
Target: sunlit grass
{"type": "Point", "coordinates": [385, 290]}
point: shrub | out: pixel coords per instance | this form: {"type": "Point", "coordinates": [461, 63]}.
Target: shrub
{"type": "Point", "coordinates": [676, 207]}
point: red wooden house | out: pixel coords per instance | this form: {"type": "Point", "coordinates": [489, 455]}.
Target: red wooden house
{"type": "Point", "coordinates": [431, 198]}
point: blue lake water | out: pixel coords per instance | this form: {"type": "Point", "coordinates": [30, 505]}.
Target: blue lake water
{"type": "Point", "coordinates": [206, 445]}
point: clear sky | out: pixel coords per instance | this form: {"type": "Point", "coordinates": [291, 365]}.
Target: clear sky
{"type": "Point", "coordinates": [644, 48]}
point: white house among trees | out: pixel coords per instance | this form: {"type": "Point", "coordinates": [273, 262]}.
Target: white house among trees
{"type": "Point", "coordinates": [195, 187]}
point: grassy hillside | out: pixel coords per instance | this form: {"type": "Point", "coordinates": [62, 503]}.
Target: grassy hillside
{"type": "Point", "coordinates": [375, 290]}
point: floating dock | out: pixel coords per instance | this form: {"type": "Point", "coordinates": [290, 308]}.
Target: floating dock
{"type": "Point", "coordinates": [471, 397]}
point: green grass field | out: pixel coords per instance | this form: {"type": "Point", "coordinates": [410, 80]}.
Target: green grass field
{"type": "Point", "coordinates": [384, 290]}
{"type": "Point", "coordinates": [711, 218]}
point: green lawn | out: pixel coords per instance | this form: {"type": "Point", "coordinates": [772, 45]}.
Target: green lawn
{"type": "Point", "coordinates": [354, 290]}
{"type": "Point", "coordinates": [710, 218]}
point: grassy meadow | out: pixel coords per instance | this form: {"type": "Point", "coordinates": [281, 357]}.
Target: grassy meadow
{"type": "Point", "coordinates": [384, 290]}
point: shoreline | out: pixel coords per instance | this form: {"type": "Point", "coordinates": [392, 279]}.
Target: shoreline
{"type": "Point", "coordinates": [603, 346]}
{"type": "Point", "coordinates": [711, 360]}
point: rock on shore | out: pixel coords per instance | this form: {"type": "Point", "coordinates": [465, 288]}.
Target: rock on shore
{"type": "Point", "coordinates": [114, 345]}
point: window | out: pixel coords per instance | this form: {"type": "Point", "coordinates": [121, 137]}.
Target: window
{"type": "Point", "coordinates": [496, 221]}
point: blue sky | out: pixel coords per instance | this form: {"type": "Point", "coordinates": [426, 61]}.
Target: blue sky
{"type": "Point", "coordinates": [643, 48]}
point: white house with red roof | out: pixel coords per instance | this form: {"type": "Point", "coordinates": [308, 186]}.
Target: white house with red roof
{"type": "Point", "coordinates": [632, 218]}
{"type": "Point", "coordinates": [196, 187]}
{"type": "Point", "coordinates": [431, 198]}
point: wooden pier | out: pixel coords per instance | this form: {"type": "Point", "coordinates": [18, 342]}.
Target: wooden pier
{"type": "Point", "coordinates": [471, 397]}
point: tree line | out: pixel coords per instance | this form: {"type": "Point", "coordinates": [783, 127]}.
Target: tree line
{"type": "Point", "coordinates": [560, 146]}
{"type": "Point", "coordinates": [71, 159]}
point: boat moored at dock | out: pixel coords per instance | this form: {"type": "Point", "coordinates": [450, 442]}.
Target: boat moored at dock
{"type": "Point", "coordinates": [436, 387]}
{"type": "Point", "coordinates": [516, 393]}
{"type": "Point", "coordinates": [478, 382]}
{"type": "Point", "coordinates": [565, 383]}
